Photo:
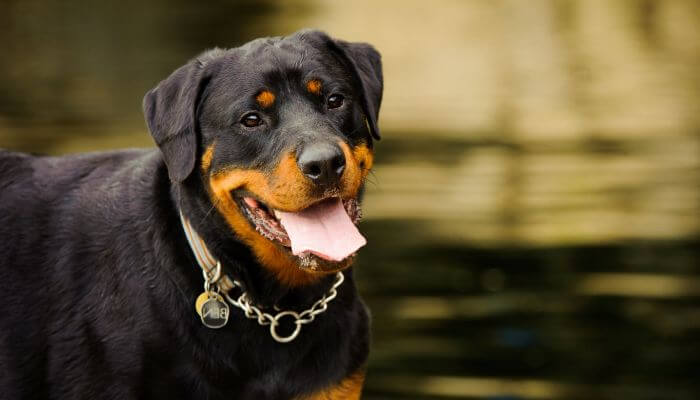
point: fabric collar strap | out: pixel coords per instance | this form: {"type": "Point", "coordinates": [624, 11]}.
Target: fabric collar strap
{"type": "Point", "coordinates": [204, 257]}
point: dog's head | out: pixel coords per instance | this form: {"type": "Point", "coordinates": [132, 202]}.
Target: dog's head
{"type": "Point", "coordinates": [280, 133]}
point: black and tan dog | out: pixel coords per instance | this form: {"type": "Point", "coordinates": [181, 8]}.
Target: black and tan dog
{"type": "Point", "coordinates": [262, 154]}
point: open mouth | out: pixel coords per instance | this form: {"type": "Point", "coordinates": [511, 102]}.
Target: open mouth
{"type": "Point", "coordinates": [323, 236]}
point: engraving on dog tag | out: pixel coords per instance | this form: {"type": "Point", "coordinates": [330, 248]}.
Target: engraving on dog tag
{"type": "Point", "coordinates": [214, 311]}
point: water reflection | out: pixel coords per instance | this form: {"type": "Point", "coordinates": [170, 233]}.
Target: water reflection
{"type": "Point", "coordinates": [534, 216]}
{"type": "Point", "coordinates": [578, 321]}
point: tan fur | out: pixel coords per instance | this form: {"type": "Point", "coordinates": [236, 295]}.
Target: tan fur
{"type": "Point", "coordinates": [314, 86]}
{"type": "Point", "coordinates": [357, 165]}
{"type": "Point", "coordinates": [349, 388]}
{"type": "Point", "coordinates": [265, 98]}
{"type": "Point", "coordinates": [207, 157]}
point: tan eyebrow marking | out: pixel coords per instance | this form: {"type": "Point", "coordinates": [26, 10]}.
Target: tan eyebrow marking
{"type": "Point", "coordinates": [314, 86]}
{"type": "Point", "coordinates": [266, 98]}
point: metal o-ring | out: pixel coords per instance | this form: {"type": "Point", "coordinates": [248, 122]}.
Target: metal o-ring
{"type": "Point", "coordinates": [275, 322]}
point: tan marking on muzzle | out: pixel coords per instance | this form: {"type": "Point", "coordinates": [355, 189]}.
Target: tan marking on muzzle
{"type": "Point", "coordinates": [358, 162]}
{"type": "Point", "coordinates": [207, 156]}
{"type": "Point", "coordinates": [283, 189]}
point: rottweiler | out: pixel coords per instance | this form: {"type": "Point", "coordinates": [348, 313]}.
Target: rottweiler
{"type": "Point", "coordinates": [216, 265]}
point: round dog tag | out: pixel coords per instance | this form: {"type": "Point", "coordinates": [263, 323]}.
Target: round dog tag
{"type": "Point", "coordinates": [213, 310]}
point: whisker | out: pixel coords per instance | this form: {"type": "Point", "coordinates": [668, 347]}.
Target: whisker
{"type": "Point", "coordinates": [374, 181]}
{"type": "Point", "coordinates": [208, 212]}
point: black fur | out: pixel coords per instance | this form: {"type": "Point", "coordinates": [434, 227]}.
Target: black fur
{"type": "Point", "coordinates": [97, 281]}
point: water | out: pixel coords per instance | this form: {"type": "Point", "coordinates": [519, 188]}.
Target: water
{"type": "Point", "coordinates": [534, 215]}
{"type": "Point", "coordinates": [498, 299]}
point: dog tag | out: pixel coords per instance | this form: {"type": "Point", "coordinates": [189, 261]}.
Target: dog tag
{"type": "Point", "coordinates": [212, 310]}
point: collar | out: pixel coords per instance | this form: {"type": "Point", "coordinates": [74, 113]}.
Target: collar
{"type": "Point", "coordinates": [211, 270]}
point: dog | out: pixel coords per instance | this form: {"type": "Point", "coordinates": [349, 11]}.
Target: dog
{"type": "Point", "coordinates": [216, 265]}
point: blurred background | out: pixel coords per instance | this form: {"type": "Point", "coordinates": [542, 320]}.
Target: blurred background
{"type": "Point", "coordinates": [534, 216]}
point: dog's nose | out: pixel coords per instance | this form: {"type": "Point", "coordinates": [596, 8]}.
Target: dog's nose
{"type": "Point", "coordinates": [323, 162]}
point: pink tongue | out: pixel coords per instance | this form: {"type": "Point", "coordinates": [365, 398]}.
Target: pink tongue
{"type": "Point", "coordinates": [324, 229]}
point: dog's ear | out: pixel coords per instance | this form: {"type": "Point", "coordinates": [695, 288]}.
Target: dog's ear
{"type": "Point", "coordinates": [171, 114]}
{"type": "Point", "coordinates": [366, 64]}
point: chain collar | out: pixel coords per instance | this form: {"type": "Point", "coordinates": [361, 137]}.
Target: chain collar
{"type": "Point", "coordinates": [213, 276]}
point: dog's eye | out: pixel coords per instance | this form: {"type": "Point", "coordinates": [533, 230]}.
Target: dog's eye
{"type": "Point", "coordinates": [335, 101]}
{"type": "Point", "coordinates": [251, 120]}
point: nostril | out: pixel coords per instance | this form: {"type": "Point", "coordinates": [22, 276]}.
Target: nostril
{"type": "Point", "coordinates": [313, 170]}
{"type": "Point", "coordinates": [338, 164]}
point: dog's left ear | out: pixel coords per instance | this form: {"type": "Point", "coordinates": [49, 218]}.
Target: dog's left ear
{"type": "Point", "coordinates": [170, 109]}
{"type": "Point", "coordinates": [366, 63]}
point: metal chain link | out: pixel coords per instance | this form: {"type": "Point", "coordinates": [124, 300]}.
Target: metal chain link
{"type": "Point", "coordinates": [305, 317]}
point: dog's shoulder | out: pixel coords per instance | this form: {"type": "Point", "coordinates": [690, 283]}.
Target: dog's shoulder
{"type": "Point", "coordinates": [28, 180]}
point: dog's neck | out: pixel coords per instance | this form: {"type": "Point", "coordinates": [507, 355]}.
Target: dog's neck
{"type": "Point", "coordinates": [236, 258]}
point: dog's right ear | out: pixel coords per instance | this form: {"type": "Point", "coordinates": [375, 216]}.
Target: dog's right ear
{"type": "Point", "coordinates": [171, 114]}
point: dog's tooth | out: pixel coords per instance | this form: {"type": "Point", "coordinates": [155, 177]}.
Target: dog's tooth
{"type": "Point", "coordinates": [251, 202]}
{"type": "Point", "coordinates": [277, 214]}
